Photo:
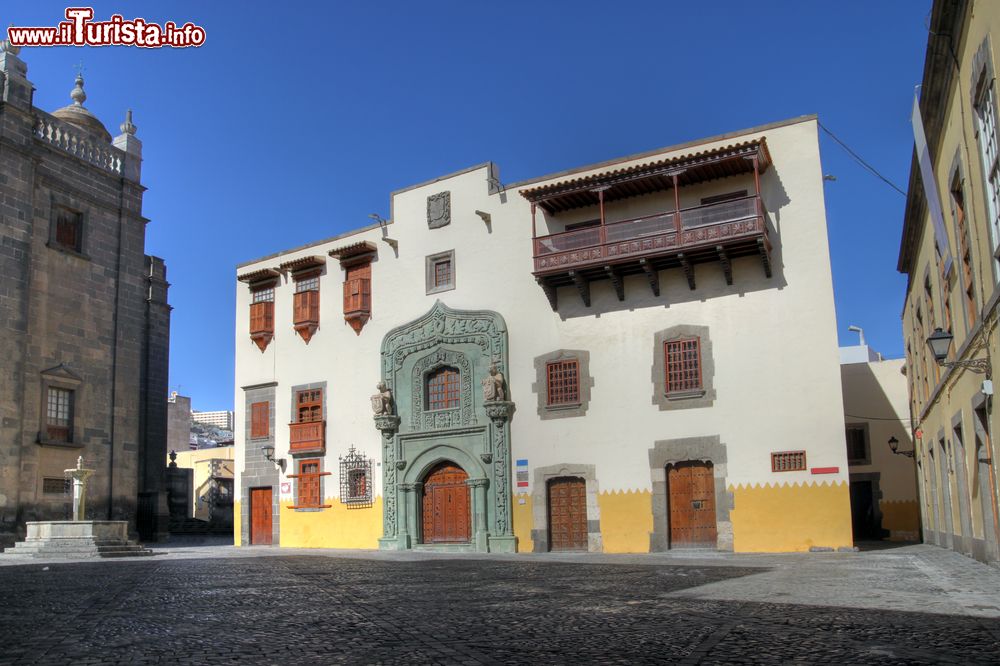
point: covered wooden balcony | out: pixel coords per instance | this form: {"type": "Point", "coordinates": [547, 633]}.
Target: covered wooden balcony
{"type": "Point", "coordinates": [611, 249]}
{"type": "Point", "coordinates": [307, 437]}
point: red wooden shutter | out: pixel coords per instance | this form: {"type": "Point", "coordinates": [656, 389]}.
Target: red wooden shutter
{"type": "Point", "coordinates": [260, 418]}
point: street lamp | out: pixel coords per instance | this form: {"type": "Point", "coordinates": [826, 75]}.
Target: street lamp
{"type": "Point", "coordinates": [940, 341]}
{"type": "Point", "coordinates": [894, 446]}
{"type": "Point", "coordinates": [268, 451]}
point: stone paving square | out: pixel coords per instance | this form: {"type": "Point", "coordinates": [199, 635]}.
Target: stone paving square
{"type": "Point", "coordinates": [222, 605]}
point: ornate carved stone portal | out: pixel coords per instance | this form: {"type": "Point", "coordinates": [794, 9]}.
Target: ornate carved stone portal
{"type": "Point", "coordinates": [469, 428]}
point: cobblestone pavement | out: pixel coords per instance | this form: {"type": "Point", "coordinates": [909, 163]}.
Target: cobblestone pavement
{"type": "Point", "coordinates": [273, 606]}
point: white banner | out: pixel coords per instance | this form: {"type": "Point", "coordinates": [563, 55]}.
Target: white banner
{"type": "Point", "coordinates": [930, 186]}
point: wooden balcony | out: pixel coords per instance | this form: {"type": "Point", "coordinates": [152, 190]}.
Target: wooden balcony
{"type": "Point", "coordinates": [308, 437]}
{"type": "Point", "coordinates": [716, 232]}
{"type": "Point", "coordinates": [357, 302]}
{"type": "Point", "coordinates": [306, 313]}
{"type": "Point", "coordinates": [262, 323]}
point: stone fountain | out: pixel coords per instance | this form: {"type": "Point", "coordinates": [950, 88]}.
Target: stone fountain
{"type": "Point", "coordinates": [77, 538]}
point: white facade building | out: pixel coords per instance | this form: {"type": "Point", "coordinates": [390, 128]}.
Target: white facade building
{"type": "Point", "coordinates": [667, 380]}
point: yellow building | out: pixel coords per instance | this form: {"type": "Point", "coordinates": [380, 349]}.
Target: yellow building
{"type": "Point", "coordinates": [950, 243]}
{"type": "Point", "coordinates": [210, 489]}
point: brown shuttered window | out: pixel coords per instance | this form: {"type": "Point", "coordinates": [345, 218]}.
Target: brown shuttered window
{"type": "Point", "coordinates": [260, 420]}
{"type": "Point", "coordinates": [442, 389]}
{"type": "Point", "coordinates": [788, 461]}
{"type": "Point", "coordinates": [309, 406]}
{"type": "Point", "coordinates": [563, 382]}
{"type": "Point", "coordinates": [309, 484]}
{"type": "Point", "coordinates": [262, 310]}
{"type": "Point", "coordinates": [683, 364]}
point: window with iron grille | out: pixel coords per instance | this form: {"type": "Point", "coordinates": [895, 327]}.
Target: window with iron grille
{"type": "Point", "coordinates": [260, 420]}
{"type": "Point", "coordinates": [55, 486]}
{"type": "Point", "coordinates": [309, 406]}
{"type": "Point", "coordinates": [857, 445]}
{"type": "Point", "coordinates": [683, 364]}
{"type": "Point", "coordinates": [443, 389]}
{"type": "Point", "coordinates": [562, 380]}
{"type": "Point", "coordinates": [68, 229]}
{"type": "Point", "coordinates": [59, 414]}
{"type": "Point", "coordinates": [788, 461]}
{"type": "Point", "coordinates": [356, 480]}
{"type": "Point", "coordinates": [442, 273]}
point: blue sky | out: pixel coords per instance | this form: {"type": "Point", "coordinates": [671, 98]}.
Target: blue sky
{"type": "Point", "coordinates": [296, 120]}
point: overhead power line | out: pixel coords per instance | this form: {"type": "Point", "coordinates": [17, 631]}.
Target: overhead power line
{"type": "Point", "coordinates": [859, 160]}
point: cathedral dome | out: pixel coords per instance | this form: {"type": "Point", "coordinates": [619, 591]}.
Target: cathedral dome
{"type": "Point", "coordinates": [77, 114]}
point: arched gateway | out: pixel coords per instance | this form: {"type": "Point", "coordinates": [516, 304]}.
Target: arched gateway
{"type": "Point", "coordinates": [446, 448]}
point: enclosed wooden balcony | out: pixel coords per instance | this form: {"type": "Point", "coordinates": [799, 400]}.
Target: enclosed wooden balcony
{"type": "Point", "coordinates": [305, 312]}
{"type": "Point", "coordinates": [676, 238]}
{"type": "Point", "coordinates": [307, 437]}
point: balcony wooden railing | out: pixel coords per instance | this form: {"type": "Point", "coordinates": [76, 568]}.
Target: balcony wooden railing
{"type": "Point", "coordinates": [306, 307]}
{"type": "Point", "coordinates": [262, 323]}
{"type": "Point", "coordinates": [357, 295]}
{"type": "Point", "coordinates": [308, 437]}
{"type": "Point", "coordinates": [261, 318]}
{"type": "Point", "coordinates": [650, 234]}
{"type": "Point", "coordinates": [717, 232]}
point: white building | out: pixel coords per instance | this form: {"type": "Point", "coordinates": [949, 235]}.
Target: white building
{"type": "Point", "coordinates": [219, 419]}
{"type": "Point", "coordinates": [664, 380]}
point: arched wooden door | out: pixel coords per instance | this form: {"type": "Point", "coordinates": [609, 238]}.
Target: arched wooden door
{"type": "Point", "coordinates": [446, 505]}
{"type": "Point", "coordinates": [567, 513]}
{"type": "Point", "coordinates": [691, 490]}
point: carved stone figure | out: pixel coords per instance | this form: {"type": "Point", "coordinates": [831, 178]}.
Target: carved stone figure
{"type": "Point", "coordinates": [382, 403]}
{"type": "Point", "coordinates": [494, 389]}
{"type": "Point", "coordinates": [439, 210]}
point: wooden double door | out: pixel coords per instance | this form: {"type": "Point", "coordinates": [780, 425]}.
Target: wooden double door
{"type": "Point", "coordinates": [446, 512]}
{"type": "Point", "coordinates": [691, 500]}
{"type": "Point", "coordinates": [260, 516]}
{"type": "Point", "coordinates": [567, 502]}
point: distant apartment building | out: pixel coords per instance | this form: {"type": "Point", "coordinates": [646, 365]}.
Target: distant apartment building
{"type": "Point", "coordinates": [220, 419]}
{"type": "Point", "coordinates": [84, 319]}
{"type": "Point", "coordinates": [883, 484]}
{"type": "Point", "coordinates": [950, 253]}
{"type": "Point", "coordinates": [629, 356]}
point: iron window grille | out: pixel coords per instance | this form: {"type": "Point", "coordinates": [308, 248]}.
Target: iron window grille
{"type": "Point", "coordinates": [563, 382]}
{"type": "Point", "coordinates": [356, 480]}
{"type": "Point", "coordinates": [683, 364]}
{"type": "Point", "coordinates": [788, 461]}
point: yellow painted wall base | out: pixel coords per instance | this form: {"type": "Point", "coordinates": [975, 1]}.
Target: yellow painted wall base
{"type": "Point", "coordinates": [336, 527]}
{"type": "Point", "coordinates": [902, 519]}
{"type": "Point", "coordinates": [626, 520]}
{"type": "Point", "coordinates": [237, 523]}
{"type": "Point", "coordinates": [791, 518]}
{"type": "Point", "coordinates": [522, 523]}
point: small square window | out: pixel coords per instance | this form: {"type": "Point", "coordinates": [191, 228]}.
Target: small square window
{"type": "Point", "coordinates": [788, 461]}
{"type": "Point", "coordinates": [683, 365]}
{"type": "Point", "coordinates": [563, 382]}
{"type": "Point", "coordinates": [440, 270]}
{"type": "Point", "coordinates": [68, 231]}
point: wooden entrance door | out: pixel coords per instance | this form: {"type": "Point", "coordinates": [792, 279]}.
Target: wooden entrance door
{"type": "Point", "coordinates": [260, 516]}
{"type": "Point", "coordinates": [691, 488]}
{"type": "Point", "coordinates": [446, 505]}
{"type": "Point", "coordinates": [567, 514]}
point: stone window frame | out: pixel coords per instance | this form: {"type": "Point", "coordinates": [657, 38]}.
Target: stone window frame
{"type": "Point", "coordinates": [867, 460]}
{"type": "Point", "coordinates": [540, 387]}
{"type": "Point", "coordinates": [665, 452]}
{"type": "Point", "coordinates": [61, 202]}
{"type": "Point", "coordinates": [540, 504]}
{"type": "Point", "coordinates": [430, 262]}
{"type": "Point", "coordinates": [59, 378]}
{"type": "Point", "coordinates": [703, 397]}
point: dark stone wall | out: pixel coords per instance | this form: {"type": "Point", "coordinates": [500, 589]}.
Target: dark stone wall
{"type": "Point", "coordinates": [90, 312]}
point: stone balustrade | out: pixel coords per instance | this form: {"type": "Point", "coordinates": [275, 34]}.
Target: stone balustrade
{"type": "Point", "coordinates": [78, 143]}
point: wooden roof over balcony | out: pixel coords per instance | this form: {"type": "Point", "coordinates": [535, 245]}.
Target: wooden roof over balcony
{"type": "Point", "coordinates": [650, 177]}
